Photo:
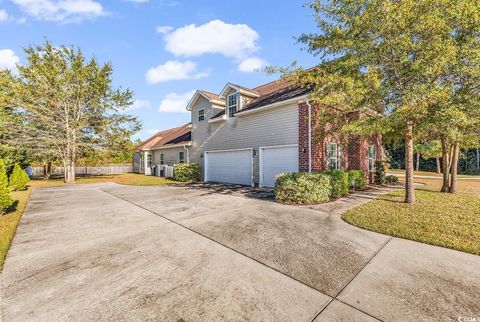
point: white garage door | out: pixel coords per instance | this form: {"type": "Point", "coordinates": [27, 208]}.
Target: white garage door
{"type": "Point", "coordinates": [275, 160]}
{"type": "Point", "coordinates": [233, 166]}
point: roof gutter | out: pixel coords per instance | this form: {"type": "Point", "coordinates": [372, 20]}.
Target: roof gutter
{"type": "Point", "coordinates": [270, 106]}
{"type": "Point", "coordinates": [169, 147]}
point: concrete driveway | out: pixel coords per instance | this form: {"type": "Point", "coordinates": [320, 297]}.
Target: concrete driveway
{"type": "Point", "coordinates": [111, 252]}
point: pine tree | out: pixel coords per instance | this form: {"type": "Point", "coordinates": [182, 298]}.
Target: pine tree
{"type": "Point", "coordinates": [18, 179]}
{"type": "Point", "coordinates": [5, 200]}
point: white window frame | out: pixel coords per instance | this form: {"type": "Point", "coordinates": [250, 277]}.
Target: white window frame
{"type": "Point", "coordinates": [334, 162]}
{"type": "Point", "coordinates": [201, 114]}
{"type": "Point", "coordinates": [233, 105]}
{"type": "Point", "coordinates": [162, 158]}
{"type": "Point", "coordinates": [182, 158]}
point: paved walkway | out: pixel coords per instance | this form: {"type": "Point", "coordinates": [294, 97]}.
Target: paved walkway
{"type": "Point", "coordinates": [111, 252]}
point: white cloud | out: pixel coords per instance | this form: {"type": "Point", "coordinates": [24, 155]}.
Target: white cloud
{"type": "Point", "coordinates": [61, 10]}
{"type": "Point", "coordinates": [3, 15]}
{"type": "Point", "coordinates": [174, 70]}
{"type": "Point", "coordinates": [163, 29]}
{"type": "Point", "coordinates": [139, 104]}
{"type": "Point", "coordinates": [153, 131]}
{"type": "Point", "coordinates": [175, 103]}
{"type": "Point", "coordinates": [215, 37]}
{"type": "Point", "coordinates": [251, 64]}
{"type": "Point", "coordinates": [8, 59]}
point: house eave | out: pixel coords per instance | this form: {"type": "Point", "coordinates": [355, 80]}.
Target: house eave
{"type": "Point", "coordinates": [273, 105]}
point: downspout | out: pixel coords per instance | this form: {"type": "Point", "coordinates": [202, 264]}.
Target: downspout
{"type": "Point", "coordinates": [309, 137]}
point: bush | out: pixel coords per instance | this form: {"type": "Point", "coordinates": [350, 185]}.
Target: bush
{"type": "Point", "coordinates": [302, 188]}
{"type": "Point", "coordinates": [380, 172]}
{"type": "Point", "coordinates": [357, 179]}
{"type": "Point", "coordinates": [391, 180]}
{"type": "Point", "coordinates": [338, 182]}
{"type": "Point", "coordinates": [18, 179]}
{"type": "Point", "coordinates": [186, 172]}
{"type": "Point", "coordinates": [3, 175]}
{"type": "Point", "coordinates": [5, 200]}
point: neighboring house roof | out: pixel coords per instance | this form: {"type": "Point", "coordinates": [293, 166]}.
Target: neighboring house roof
{"type": "Point", "coordinates": [164, 139]}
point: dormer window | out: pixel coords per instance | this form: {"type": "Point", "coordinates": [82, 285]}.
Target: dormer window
{"type": "Point", "coordinates": [201, 114]}
{"type": "Point", "coordinates": [232, 104]}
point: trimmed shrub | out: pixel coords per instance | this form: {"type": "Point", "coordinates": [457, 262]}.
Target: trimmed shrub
{"type": "Point", "coordinates": [302, 188]}
{"type": "Point", "coordinates": [5, 200]}
{"type": "Point", "coordinates": [186, 172]}
{"type": "Point", "coordinates": [357, 179]}
{"type": "Point", "coordinates": [380, 172]}
{"type": "Point", "coordinates": [18, 179]}
{"type": "Point", "coordinates": [3, 175]}
{"type": "Point", "coordinates": [391, 180]}
{"type": "Point", "coordinates": [338, 182]}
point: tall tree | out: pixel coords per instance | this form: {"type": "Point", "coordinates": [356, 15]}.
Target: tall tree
{"type": "Point", "coordinates": [432, 149]}
{"type": "Point", "coordinates": [390, 56]}
{"type": "Point", "coordinates": [63, 105]}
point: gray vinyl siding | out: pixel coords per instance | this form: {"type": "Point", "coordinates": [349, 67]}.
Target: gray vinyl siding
{"type": "Point", "coordinates": [276, 126]}
{"type": "Point", "coordinates": [171, 155]}
{"type": "Point", "coordinates": [201, 130]}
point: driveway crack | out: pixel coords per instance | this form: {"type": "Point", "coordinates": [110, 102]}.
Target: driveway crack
{"type": "Point", "coordinates": [351, 280]}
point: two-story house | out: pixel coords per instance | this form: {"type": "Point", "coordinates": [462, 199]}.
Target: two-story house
{"type": "Point", "coordinates": [249, 135]}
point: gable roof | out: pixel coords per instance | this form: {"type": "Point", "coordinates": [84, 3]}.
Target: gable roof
{"type": "Point", "coordinates": [241, 89]}
{"type": "Point", "coordinates": [177, 136]}
{"type": "Point", "coordinates": [211, 97]}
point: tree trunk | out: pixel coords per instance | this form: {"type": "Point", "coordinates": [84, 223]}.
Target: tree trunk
{"type": "Point", "coordinates": [438, 165]}
{"type": "Point", "coordinates": [454, 168]}
{"type": "Point", "coordinates": [409, 189]}
{"type": "Point", "coordinates": [445, 166]}
{"type": "Point", "coordinates": [47, 170]}
{"type": "Point", "coordinates": [478, 159]}
{"type": "Point", "coordinates": [417, 166]}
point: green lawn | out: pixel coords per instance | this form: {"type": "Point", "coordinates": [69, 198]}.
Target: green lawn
{"type": "Point", "coordinates": [436, 218]}
{"type": "Point", "coordinates": [9, 221]}
{"type": "Point", "coordinates": [428, 173]}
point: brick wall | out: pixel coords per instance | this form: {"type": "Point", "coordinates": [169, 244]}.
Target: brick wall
{"type": "Point", "coordinates": [355, 149]}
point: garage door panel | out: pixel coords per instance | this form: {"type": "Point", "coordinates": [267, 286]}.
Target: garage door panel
{"type": "Point", "coordinates": [229, 166]}
{"type": "Point", "coordinates": [277, 160]}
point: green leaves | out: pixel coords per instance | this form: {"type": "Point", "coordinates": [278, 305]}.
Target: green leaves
{"type": "Point", "coordinates": [64, 104]}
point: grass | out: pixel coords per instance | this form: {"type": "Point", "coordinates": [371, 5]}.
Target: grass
{"type": "Point", "coordinates": [9, 221]}
{"type": "Point", "coordinates": [442, 219]}
{"type": "Point", "coordinates": [428, 173]}
{"type": "Point", "coordinates": [131, 179]}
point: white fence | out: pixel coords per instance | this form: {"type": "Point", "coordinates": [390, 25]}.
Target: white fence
{"type": "Point", "coordinates": [87, 170]}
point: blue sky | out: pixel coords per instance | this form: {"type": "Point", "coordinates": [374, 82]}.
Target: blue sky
{"type": "Point", "coordinates": [164, 49]}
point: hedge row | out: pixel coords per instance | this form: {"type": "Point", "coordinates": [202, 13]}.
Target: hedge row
{"type": "Point", "coordinates": [309, 188]}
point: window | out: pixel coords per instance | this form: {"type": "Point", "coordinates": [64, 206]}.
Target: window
{"type": "Point", "coordinates": [371, 158]}
{"type": "Point", "coordinates": [162, 158]}
{"type": "Point", "coordinates": [334, 156]}
{"type": "Point", "coordinates": [201, 114]}
{"type": "Point", "coordinates": [181, 157]}
{"type": "Point", "coordinates": [149, 160]}
{"type": "Point", "coordinates": [232, 104]}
